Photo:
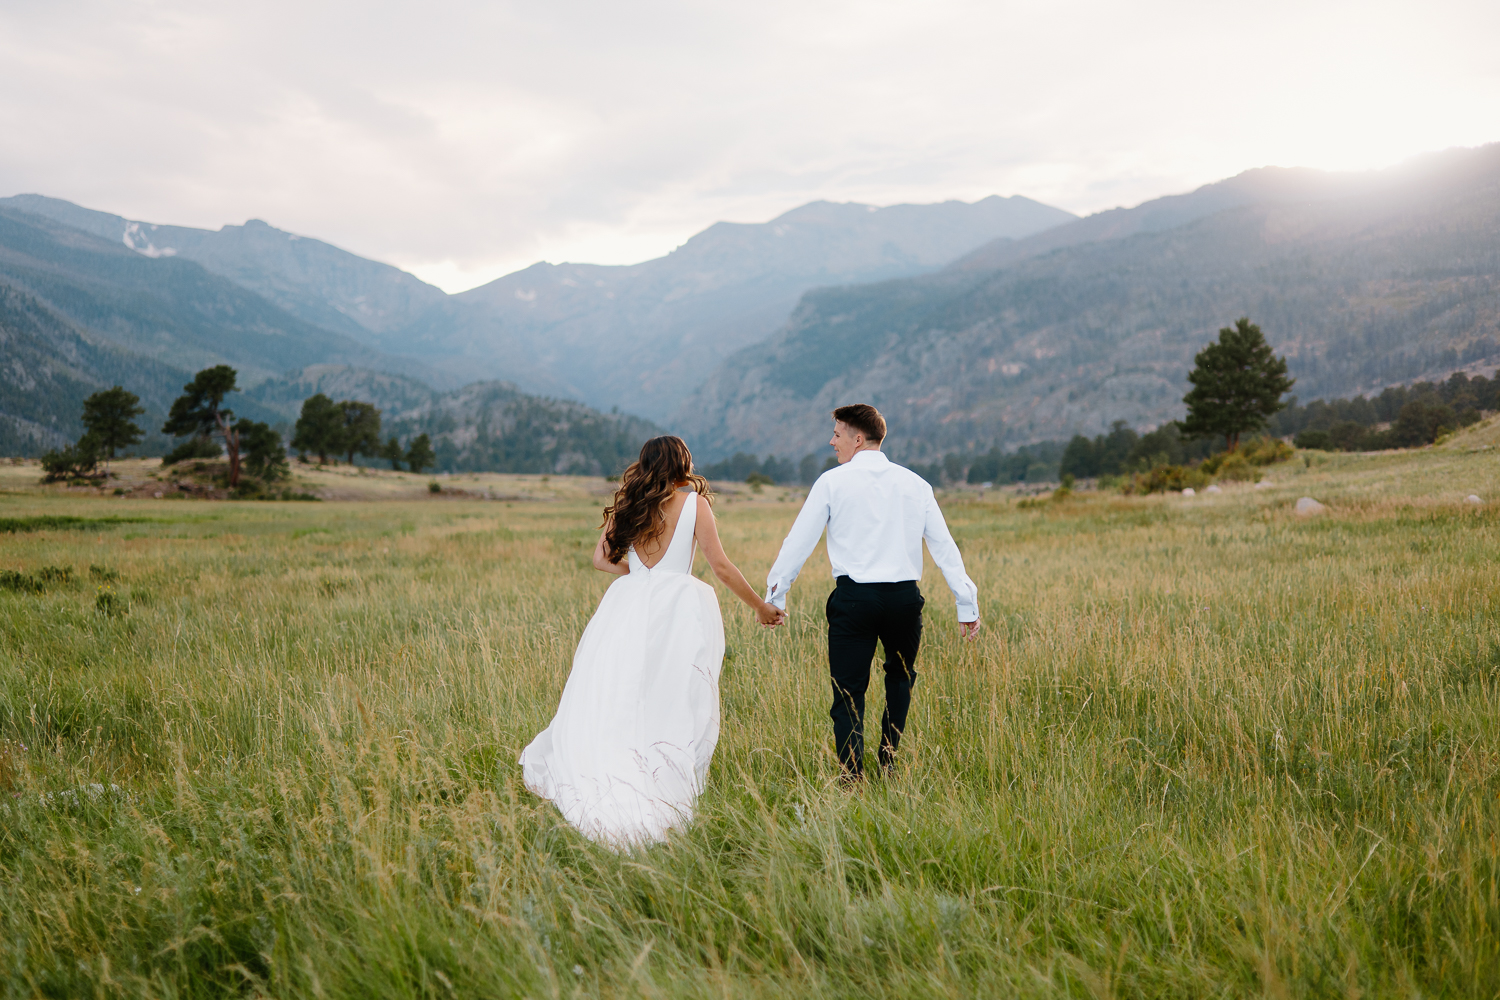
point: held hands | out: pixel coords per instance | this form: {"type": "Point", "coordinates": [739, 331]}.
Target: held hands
{"type": "Point", "coordinates": [969, 631]}
{"type": "Point", "coordinates": [769, 615]}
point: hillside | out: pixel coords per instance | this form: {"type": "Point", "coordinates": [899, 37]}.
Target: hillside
{"type": "Point", "coordinates": [314, 281]}
{"type": "Point", "coordinates": [49, 366]}
{"type": "Point", "coordinates": [393, 394]}
{"type": "Point", "coordinates": [166, 308]}
{"type": "Point", "coordinates": [494, 427]}
{"type": "Point", "coordinates": [1361, 280]}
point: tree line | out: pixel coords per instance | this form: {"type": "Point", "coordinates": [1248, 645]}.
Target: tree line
{"type": "Point", "coordinates": [199, 415]}
{"type": "Point", "coordinates": [253, 450]}
{"type": "Point", "coordinates": [1413, 415]}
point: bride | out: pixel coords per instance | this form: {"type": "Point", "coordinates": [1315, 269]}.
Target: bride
{"type": "Point", "coordinates": [628, 750]}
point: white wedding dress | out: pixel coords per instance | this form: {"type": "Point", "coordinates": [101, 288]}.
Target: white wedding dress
{"type": "Point", "coordinates": [627, 753]}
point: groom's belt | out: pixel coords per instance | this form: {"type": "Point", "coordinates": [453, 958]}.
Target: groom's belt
{"type": "Point", "coordinates": [899, 585]}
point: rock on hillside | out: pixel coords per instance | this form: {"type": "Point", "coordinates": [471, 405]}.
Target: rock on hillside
{"type": "Point", "coordinates": [1362, 280]}
{"type": "Point", "coordinates": [641, 336]}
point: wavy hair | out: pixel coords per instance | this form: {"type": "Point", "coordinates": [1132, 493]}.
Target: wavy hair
{"type": "Point", "coordinates": [636, 515]}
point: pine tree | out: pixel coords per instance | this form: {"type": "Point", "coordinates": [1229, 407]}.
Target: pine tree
{"type": "Point", "coordinates": [265, 458]}
{"type": "Point", "coordinates": [109, 416]}
{"type": "Point", "coordinates": [420, 456]}
{"type": "Point", "coordinates": [1237, 385]}
{"type": "Point", "coordinates": [360, 433]}
{"type": "Point", "coordinates": [393, 453]}
{"type": "Point", "coordinates": [319, 428]}
{"type": "Point", "coordinates": [200, 411]}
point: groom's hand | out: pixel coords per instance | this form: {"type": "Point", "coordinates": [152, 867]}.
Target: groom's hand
{"type": "Point", "coordinates": [969, 630]}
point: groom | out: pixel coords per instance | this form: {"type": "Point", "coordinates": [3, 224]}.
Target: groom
{"type": "Point", "coordinates": [877, 514]}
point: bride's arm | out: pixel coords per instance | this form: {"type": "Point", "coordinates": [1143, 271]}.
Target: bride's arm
{"type": "Point", "coordinates": [601, 558]}
{"type": "Point", "coordinates": [707, 533]}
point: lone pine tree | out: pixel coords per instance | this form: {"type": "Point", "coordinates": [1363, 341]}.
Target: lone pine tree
{"type": "Point", "coordinates": [1237, 385]}
{"type": "Point", "coordinates": [200, 411]}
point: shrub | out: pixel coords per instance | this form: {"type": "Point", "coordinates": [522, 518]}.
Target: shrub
{"type": "Point", "coordinates": [193, 447]}
{"type": "Point", "coordinates": [72, 461]}
{"type": "Point", "coordinates": [1165, 478]}
{"type": "Point", "coordinates": [758, 479]}
{"type": "Point", "coordinates": [1313, 440]}
{"type": "Point", "coordinates": [1267, 451]}
{"type": "Point", "coordinates": [35, 583]}
{"type": "Point", "coordinates": [434, 487]}
{"type": "Point", "coordinates": [1236, 468]}
{"type": "Point", "coordinates": [21, 583]}
{"type": "Point", "coordinates": [109, 602]}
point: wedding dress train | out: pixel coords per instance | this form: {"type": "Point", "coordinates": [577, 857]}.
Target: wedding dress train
{"type": "Point", "coordinates": [627, 753]}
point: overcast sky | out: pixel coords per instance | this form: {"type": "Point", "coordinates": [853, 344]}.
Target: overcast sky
{"type": "Point", "coordinates": [463, 140]}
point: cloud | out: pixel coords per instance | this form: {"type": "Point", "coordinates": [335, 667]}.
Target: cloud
{"type": "Point", "coordinates": [463, 140]}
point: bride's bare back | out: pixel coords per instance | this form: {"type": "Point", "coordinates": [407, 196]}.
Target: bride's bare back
{"type": "Point", "coordinates": [651, 550]}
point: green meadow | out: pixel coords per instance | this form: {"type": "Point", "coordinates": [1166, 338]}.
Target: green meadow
{"type": "Point", "coordinates": [1203, 748]}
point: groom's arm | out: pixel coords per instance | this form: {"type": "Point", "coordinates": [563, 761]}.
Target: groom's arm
{"type": "Point", "coordinates": [800, 542]}
{"type": "Point", "coordinates": [948, 559]}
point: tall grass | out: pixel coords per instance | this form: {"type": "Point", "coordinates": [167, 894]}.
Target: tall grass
{"type": "Point", "coordinates": [1203, 748]}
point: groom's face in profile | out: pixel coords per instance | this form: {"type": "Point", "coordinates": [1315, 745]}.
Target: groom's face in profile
{"type": "Point", "coordinates": [846, 441]}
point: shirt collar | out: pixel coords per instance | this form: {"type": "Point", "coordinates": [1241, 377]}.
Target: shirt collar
{"type": "Point", "coordinates": [869, 456]}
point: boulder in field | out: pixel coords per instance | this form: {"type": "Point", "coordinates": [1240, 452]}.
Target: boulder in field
{"type": "Point", "coordinates": [1189, 492]}
{"type": "Point", "coordinates": [1307, 506]}
{"type": "Point", "coordinates": [1471, 498]}
{"type": "Point", "coordinates": [1213, 489]}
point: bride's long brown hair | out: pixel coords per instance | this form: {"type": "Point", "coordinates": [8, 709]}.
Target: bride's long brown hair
{"type": "Point", "coordinates": [636, 515]}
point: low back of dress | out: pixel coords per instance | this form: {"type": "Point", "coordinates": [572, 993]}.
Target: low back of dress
{"type": "Point", "coordinates": [679, 555]}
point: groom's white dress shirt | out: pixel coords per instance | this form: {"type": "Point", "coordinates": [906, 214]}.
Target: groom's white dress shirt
{"type": "Point", "coordinates": [877, 514]}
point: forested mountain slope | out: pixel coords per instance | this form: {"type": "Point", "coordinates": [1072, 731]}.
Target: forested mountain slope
{"type": "Point", "coordinates": [1362, 281]}
{"type": "Point", "coordinates": [494, 427]}
{"type": "Point", "coordinates": [49, 366]}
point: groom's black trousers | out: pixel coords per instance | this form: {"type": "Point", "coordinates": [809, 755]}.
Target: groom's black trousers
{"type": "Point", "coordinates": [859, 614]}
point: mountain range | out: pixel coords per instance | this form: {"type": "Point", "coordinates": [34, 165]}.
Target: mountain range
{"type": "Point", "coordinates": [637, 337]}
{"type": "Point", "coordinates": [1001, 322]}
{"type": "Point", "coordinates": [1361, 280]}
{"type": "Point", "coordinates": [145, 305]}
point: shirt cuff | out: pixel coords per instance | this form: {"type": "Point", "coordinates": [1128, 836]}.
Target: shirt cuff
{"type": "Point", "coordinates": [968, 612]}
{"type": "Point", "coordinates": [779, 601]}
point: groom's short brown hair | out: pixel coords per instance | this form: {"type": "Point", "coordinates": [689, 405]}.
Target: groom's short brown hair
{"type": "Point", "coordinates": [864, 418]}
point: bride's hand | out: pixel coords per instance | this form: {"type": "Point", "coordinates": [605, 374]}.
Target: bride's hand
{"type": "Point", "coordinates": [769, 615]}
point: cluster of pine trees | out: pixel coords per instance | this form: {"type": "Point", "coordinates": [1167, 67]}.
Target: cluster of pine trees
{"type": "Point", "coordinates": [199, 415]}
{"type": "Point", "coordinates": [349, 428]}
